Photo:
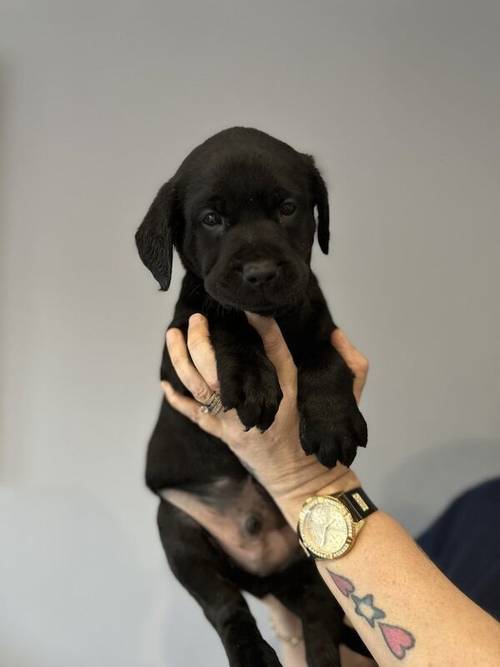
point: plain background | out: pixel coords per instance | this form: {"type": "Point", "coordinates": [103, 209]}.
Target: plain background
{"type": "Point", "coordinates": [100, 101]}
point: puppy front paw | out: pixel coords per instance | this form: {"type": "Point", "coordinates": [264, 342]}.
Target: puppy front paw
{"type": "Point", "coordinates": [252, 388]}
{"type": "Point", "coordinates": [332, 430]}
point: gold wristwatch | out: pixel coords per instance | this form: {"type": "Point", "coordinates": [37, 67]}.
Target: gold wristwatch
{"type": "Point", "coordinates": [328, 525]}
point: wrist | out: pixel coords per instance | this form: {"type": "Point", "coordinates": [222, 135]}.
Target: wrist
{"type": "Point", "coordinates": [337, 480]}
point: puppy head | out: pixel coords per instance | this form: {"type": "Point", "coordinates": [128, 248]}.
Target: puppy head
{"type": "Point", "coordinates": [240, 212]}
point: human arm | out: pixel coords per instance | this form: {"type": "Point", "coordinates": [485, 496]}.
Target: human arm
{"type": "Point", "coordinates": [386, 585]}
{"type": "Point", "coordinates": [286, 625]}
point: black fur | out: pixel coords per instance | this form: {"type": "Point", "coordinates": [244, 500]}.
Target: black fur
{"type": "Point", "coordinates": [255, 257]}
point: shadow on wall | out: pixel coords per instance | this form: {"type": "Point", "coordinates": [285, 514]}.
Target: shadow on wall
{"type": "Point", "coordinates": [421, 488]}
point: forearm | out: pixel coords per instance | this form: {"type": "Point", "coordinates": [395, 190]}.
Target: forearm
{"type": "Point", "coordinates": [425, 618]}
{"type": "Point", "coordinates": [402, 606]}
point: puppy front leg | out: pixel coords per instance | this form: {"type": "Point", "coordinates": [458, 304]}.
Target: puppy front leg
{"type": "Point", "coordinates": [248, 380]}
{"type": "Point", "coordinates": [331, 425]}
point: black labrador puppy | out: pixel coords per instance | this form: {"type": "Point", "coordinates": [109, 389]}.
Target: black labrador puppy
{"type": "Point", "coordinates": [240, 213]}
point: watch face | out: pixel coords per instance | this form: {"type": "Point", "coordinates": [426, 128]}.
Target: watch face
{"type": "Point", "coordinates": [326, 527]}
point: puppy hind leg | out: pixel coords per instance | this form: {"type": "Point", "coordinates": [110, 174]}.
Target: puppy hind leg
{"type": "Point", "coordinates": [203, 570]}
{"type": "Point", "coordinates": [303, 592]}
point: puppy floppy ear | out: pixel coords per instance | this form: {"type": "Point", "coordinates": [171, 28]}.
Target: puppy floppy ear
{"type": "Point", "coordinates": [155, 236]}
{"type": "Point", "coordinates": [320, 200]}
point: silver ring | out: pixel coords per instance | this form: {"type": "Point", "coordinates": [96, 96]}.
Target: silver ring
{"type": "Point", "coordinates": [214, 405]}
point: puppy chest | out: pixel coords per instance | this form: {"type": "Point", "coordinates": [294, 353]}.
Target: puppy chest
{"type": "Point", "coordinates": [244, 522]}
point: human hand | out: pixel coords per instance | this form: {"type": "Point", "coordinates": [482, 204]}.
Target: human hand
{"type": "Point", "coordinates": [275, 457]}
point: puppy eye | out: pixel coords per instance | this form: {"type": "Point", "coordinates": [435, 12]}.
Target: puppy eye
{"type": "Point", "coordinates": [287, 208]}
{"type": "Point", "coordinates": [212, 219]}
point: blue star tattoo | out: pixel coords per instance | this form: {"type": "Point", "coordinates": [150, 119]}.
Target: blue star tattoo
{"type": "Point", "coordinates": [366, 609]}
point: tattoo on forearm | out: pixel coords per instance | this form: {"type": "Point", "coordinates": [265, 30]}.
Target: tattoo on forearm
{"type": "Point", "coordinates": [397, 639]}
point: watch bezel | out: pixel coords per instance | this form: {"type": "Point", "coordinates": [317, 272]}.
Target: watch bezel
{"type": "Point", "coordinates": [339, 506]}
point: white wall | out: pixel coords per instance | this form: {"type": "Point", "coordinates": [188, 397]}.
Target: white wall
{"type": "Point", "coordinates": [99, 102]}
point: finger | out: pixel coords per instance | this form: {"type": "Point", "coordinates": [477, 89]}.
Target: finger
{"type": "Point", "coordinates": [184, 367]}
{"type": "Point", "coordinates": [201, 350]}
{"type": "Point", "coordinates": [192, 410]}
{"type": "Point", "coordinates": [275, 348]}
{"type": "Point", "coordinates": [356, 361]}
{"type": "Point", "coordinates": [357, 387]}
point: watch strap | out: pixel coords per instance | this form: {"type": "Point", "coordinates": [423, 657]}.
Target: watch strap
{"type": "Point", "coordinates": [358, 503]}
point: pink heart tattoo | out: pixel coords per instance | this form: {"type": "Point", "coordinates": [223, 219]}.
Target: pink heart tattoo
{"type": "Point", "coordinates": [345, 586]}
{"type": "Point", "coordinates": [397, 639]}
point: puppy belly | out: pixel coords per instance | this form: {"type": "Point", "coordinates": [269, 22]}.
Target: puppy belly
{"type": "Point", "coordinates": [248, 527]}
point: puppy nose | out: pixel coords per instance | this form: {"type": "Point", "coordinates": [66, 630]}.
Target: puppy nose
{"type": "Point", "coordinates": [260, 273]}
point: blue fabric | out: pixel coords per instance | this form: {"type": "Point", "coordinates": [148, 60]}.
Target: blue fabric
{"type": "Point", "coordinates": [464, 542]}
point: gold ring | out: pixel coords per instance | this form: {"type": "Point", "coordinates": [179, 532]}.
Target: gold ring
{"type": "Point", "coordinates": [214, 405]}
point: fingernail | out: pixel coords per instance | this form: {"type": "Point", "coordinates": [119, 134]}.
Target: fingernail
{"type": "Point", "coordinates": [167, 388]}
{"type": "Point", "coordinates": [253, 317]}
{"type": "Point", "coordinates": [196, 318]}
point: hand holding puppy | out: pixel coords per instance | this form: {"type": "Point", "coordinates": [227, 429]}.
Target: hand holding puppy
{"type": "Point", "coordinates": [274, 457]}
